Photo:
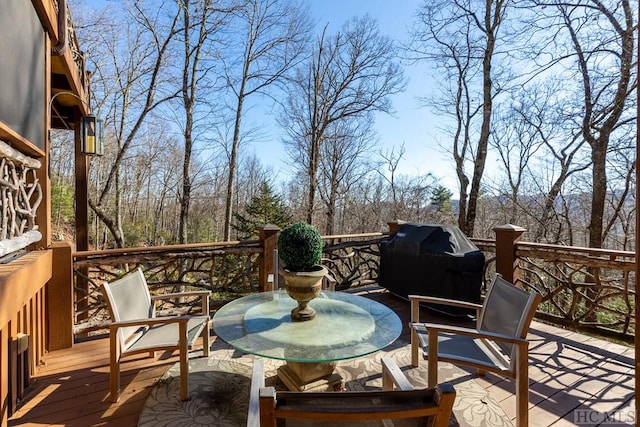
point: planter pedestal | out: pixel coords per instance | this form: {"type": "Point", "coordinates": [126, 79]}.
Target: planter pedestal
{"type": "Point", "coordinates": [303, 286]}
{"type": "Point", "coordinates": [303, 376]}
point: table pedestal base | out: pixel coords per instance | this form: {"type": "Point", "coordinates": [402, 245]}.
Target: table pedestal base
{"type": "Point", "coordinates": [298, 376]}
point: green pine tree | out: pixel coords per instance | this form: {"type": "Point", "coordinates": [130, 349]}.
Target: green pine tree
{"type": "Point", "coordinates": [265, 208]}
{"type": "Point", "coordinates": [441, 198]}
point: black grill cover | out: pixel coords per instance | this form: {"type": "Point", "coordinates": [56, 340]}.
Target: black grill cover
{"type": "Point", "coordinates": [433, 260]}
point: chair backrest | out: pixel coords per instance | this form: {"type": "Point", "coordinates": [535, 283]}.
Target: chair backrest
{"type": "Point", "coordinates": [508, 310]}
{"type": "Point", "coordinates": [128, 298]}
{"type": "Point", "coordinates": [404, 407]}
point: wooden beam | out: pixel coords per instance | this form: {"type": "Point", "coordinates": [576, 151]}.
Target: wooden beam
{"type": "Point", "coordinates": [81, 193]}
{"type": "Point", "coordinates": [637, 298]}
{"type": "Point", "coordinates": [43, 213]}
{"type": "Point", "coordinates": [59, 300]}
{"type": "Point", "coordinates": [507, 263]}
{"type": "Point", "coordinates": [82, 220]}
{"type": "Point", "coordinates": [19, 142]}
{"type": "Point", "coordinates": [48, 17]}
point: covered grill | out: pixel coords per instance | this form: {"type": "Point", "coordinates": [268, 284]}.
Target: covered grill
{"type": "Point", "coordinates": [433, 260]}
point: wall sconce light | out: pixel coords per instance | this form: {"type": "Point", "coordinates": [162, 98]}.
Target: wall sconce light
{"type": "Point", "coordinates": [92, 136]}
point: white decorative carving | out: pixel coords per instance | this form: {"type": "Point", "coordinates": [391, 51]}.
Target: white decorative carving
{"type": "Point", "coordinates": [20, 196]}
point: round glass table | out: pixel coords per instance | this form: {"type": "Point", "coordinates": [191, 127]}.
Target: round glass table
{"type": "Point", "coordinates": [346, 326]}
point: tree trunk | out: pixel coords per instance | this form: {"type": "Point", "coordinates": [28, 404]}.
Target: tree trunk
{"type": "Point", "coordinates": [491, 24]}
{"type": "Point", "coordinates": [185, 200]}
{"type": "Point", "coordinates": [233, 160]}
{"type": "Point", "coordinates": [312, 171]}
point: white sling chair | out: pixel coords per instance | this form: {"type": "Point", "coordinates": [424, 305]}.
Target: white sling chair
{"type": "Point", "coordinates": [136, 329]}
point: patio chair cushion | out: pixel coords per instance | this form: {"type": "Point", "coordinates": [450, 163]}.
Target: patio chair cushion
{"type": "Point", "coordinates": [461, 346]}
{"type": "Point", "coordinates": [166, 335]}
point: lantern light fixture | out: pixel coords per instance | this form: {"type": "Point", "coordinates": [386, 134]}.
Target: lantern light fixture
{"type": "Point", "coordinates": [90, 128]}
{"type": "Point", "coordinates": [92, 136]}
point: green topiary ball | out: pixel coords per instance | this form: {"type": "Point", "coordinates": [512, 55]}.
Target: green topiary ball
{"type": "Point", "coordinates": [300, 247]}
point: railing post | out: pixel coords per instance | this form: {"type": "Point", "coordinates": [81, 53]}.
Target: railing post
{"type": "Point", "coordinates": [394, 226]}
{"type": "Point", "coordinates": [268, 235]}
{"type": "Point", "coordinates": [60, 299]}
{"type": "Point", "coordinates": [507, 263]}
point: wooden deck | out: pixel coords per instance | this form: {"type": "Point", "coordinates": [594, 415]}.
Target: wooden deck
{"type": "Point", "coordinates": [568, 371]}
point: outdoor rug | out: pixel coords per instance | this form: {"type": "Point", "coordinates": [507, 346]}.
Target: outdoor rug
{"type": "Point", "coordinates": [219, 389]}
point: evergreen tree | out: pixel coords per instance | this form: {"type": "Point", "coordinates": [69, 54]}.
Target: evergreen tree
{"type": "Point", "coordinates": [441, 198]}
{"type": "Point", "coordinates": [265, 208]}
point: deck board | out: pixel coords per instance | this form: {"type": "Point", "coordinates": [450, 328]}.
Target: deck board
{"type": "Point", "coordinates": [568, 371]}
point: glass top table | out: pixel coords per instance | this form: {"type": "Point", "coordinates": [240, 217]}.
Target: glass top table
{"type": "Point", "coordinates": [346, 326]}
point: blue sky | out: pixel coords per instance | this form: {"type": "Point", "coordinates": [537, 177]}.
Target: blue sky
{"type": "Point", "coordinates": [412, 124]}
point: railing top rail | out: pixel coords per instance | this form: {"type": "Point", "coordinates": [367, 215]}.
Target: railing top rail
{"type": "Point", "coordinates": [166, 248]}
{"type": "Point", "coordinates": [350, 236]}
{"type": "Point", "coordinates": [598, 252]}
{"type": "Point", "coordinates": [198, 246]}
{"type": "Point", "coordinates": [483, 241]}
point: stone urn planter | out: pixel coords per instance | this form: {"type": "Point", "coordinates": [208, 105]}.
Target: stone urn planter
{"type": "Point", "coordinates": [303, 286]}
{"type": "Point", "coordinates": [300, 249]}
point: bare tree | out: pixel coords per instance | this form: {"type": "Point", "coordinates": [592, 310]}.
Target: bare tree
{"type": "Point", "coordinates": [391, 161]}
{"type": "Point", "coordinates": [594, 56]}
{"type": "Point", "coordinates": [348, 76]}
{"type": "Point", "coordinates": [461, 37]}
{"type": "Point", "coordinates": [604, 97]}
{"type": "Point", "coordinates": [162, 187]}
{"type": "Point", "coordinates": [367, 206]}
{"type": "Point", "coordinates": [274, 36]}
{"type": "Point", "coordinates": [535, 145]}
{"type": "Point", "coordinates": [199, 23]}
{"type": "Point", "coordinates": [132, 55]}
{"type": "Point", "coordinates": [204, 39]}
{"type": "Point", "coordinates": [342, 164]}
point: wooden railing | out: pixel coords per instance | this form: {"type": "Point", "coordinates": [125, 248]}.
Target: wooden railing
{"type": "Point", "coordinates": [228, 269]}
{"type": "Point", "coordinates": [35, 317]}
{"type": "Point", "coordinates": [25, 277]}
{"type": "Point", "coordinates": [586, 289]}
{"type": "Point", "coordinates": [354, 259]}
{"type": "Point", "coordinates": [591, 290]}
{"type": "Point", "coordinates": [20, 196]}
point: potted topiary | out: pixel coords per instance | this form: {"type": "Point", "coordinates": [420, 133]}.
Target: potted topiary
{"type": "Point", "coordinates": [300, 249]}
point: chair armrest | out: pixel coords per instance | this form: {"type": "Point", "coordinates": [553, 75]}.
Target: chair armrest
{"type": "Point", "coordinates": [474, 333]}
{"type": "Point", "coordinates": [393, 376]}
{"type": "Point", "coordinates": [257, 382]}
{"type": "Point", "coordinates": [415, 301]}
{"type": "Point", "coordinates": [445, 301]}
{"type": "Point", "coordinates": [149, 321]}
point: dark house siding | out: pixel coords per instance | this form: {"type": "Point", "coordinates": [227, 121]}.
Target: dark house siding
{"type": "Point", "coordinates": [22, 70]}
